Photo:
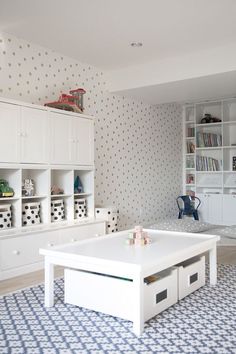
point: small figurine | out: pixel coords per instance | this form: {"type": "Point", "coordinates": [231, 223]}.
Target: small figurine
{"type": "Point", "coordinates": [78, 187]}
{"type": "Point", "coordinates": [209, 119]}
{"type": "Point", "coordinates": [138, 237]}
{"type": "Point", "coordinates": [55, 190]}
{"type": "Point", "coordinates": [5, 190]}
{"type": "Point", "coordinates": [28, 188]}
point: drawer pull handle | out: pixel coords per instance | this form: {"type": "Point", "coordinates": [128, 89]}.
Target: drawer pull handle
{"type": "Point", "coordinates": [161, 296]}
{"type": "Point", "coordinates": [16, 252]}
{"type": "Point", "coordinates": [193, 278]}
{"type": "Point", "coordinates": [73, 240]}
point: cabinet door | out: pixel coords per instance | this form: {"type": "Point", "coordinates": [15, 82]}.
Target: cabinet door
{"type": "Point", "coordinates": [215, 208]}
{"type": "Point", "coordinates": [10, 130]}
{"type": "Point", "coordinates": [60, 138]}
{"type": "Point", "coordinates": [84, 141]}
{"type": "Point", "coordinates": [203, 209]}
{"type": "Point", "coordinates": [229, 209]}
{"type": "Point", "coordinates": [34, 135]}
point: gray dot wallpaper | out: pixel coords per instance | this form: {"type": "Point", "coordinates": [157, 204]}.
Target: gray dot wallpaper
{"type": "Point", "coordinates": [138, 147]}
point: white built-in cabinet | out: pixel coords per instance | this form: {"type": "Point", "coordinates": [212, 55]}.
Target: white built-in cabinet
{"type": "Point", "coordinates": [52, 147]}
{"type": "Point", "coordinates": [24, 137]}
{"type": "Point", "coordinates": [209, 155]}
{"type": "Point", "coordinates": [10, 132]}
{"type": "Point", "coordinates": [211, 208]}
{"type": "Point", "coordinates": [71, 139]}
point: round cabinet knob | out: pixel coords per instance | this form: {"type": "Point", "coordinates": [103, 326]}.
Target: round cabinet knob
{"type": "Point", "coordinates": [16, 252]}
{"type": "Point", "coordinates": [50, 244]}
{"type": "Point", "coordinates": [73, 240]}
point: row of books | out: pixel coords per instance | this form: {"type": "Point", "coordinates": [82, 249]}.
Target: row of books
{"type": "Point", "coordinates": [208, 139]}
{"type": "Point", "coordinates": [204, 163]}
{"type": "Point", "coordinates": [190, 132]}
{"type": "Point", "coordinates": [190, 147]}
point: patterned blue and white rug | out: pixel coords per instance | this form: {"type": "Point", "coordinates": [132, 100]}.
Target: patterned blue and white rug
{"type": "Point", "coordinates": [204, 322]}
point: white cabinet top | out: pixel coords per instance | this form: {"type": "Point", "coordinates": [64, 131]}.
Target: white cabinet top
{"type": "Point", "coordinates": [45, 108]}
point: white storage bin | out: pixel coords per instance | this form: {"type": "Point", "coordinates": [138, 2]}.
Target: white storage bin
{"type": "Point", "coordinates": [109, 295]}
{"type": "Point", "coordinates": [57, 210]}
{"type": "Point", "coordinates": [114, 296]}
{"type": "Point", "coordinates": [161, 294]}
{"type": "Point", "coordinates": [109, 214]}
{"type": "Point", "coordinates": [80, 208]}
{"type": "Point", "coordinates": [30, 213]}
{"type": "Point", "coordinates": [5, 216]}
{"type": "Point", "coordinates": [191, 275]}
{"type": "Point", "coordinates": [111, 227]}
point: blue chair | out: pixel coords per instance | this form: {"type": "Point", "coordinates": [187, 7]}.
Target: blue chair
{"type": "Point", "coordinates": [187, 206]}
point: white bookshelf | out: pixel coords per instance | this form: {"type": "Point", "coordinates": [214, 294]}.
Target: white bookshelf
{"type": "Point", "coordinates": [208, 169]}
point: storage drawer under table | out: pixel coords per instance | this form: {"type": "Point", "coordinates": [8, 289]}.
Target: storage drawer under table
{"type": "Point", "coordinates": [160, 294]}
{"type": "Point", "coordinates": [191, 275]}
{"type": "Point", "coordinates": [114, 296]}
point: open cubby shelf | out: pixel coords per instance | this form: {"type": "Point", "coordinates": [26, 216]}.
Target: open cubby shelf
{"type": "Point", "coordinates": [41, 201]}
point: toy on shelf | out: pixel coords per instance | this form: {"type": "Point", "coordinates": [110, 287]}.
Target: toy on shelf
{"type": "Point", "coordinates": [209, 119]}
{"type": "Point", "coordinates": [55, 190]}
{"type": "Point", "coordinates": [72, 102]}
{"type": "Point", "coordinates": [78, 187]}
{"type": "Point", "coordinates": [5, 190]}
{"type": "Point", "coordinates": [28, 189]}
{"type": "Point", "coordinates": [138, 237]}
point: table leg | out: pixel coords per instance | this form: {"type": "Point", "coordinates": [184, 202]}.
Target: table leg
{"type": "Point", "coordinates": [49, 283]}
{"type": "Point", "coordinates": [213, 266]}
{"type": "Point", "coordinates": [138, 315]}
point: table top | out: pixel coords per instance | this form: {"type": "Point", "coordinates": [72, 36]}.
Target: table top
{"type": "Point", "coordinates": [113, 247]}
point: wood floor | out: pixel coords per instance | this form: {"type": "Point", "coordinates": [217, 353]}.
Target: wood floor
{"type": "Point", "coordinates": [225, 255]}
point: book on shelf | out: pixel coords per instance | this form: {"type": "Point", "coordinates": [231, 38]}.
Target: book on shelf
{"type": "Point", "coordinates": [190, 162]}
{"type": "Point", "coordinates": [205, 163]}
{"type": "Point", "coordinates": [190, 132]}
{"type": "Point", "coordinates": [208, 140]}
{"type": "Point", "coordinates": [190, 147]}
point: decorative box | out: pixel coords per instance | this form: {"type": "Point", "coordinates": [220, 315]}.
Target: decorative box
{"type": "Point", "coordinates": [80, 208]}
{"type": "Point", "coordinates": [30, 213]}
{"type": "Point", "coordinates": [57, 210]}
{"type": "Point", "coordinates": [5, 216]}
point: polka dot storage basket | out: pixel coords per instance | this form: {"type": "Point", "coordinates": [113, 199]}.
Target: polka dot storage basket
{"type": "Point", "coordinates": [57, 210]}
{"type": "Point", "coordinates": [5, 216]}
{"type": "Point", "coordinates": [31, 213]}
{"type": "Point", "coordinates": [111, 215]}
{"type": "Point", "coordinates": [80, 208]}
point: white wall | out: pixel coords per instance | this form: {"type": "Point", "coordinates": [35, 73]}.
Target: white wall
{"type": "Point", "coordinates": [138, 154]}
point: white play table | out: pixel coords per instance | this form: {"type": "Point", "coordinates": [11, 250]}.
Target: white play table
{"type": "Point", "coordinates": [110, 255]}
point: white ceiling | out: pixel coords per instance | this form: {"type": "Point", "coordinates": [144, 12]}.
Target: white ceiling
{"type": "Point", "coordinates": [184, 91]}
{"type": "Point", "coordinates": [99, 32]}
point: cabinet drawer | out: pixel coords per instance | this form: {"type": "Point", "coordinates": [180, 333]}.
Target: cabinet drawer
{"type": "Point", "coordinates": [81, 232]}
{"type": "Point", "coordinates": [16, 252]}
{"type": "Point", "coordinates": [191, 276]}
{"type": "Point", "coordinates": [160, 294]}
{"type": "Point", "coordinates": [20, 251]}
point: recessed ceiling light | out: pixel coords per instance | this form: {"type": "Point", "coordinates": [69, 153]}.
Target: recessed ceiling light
{"type": "Point", "coordinates": [136, 44]}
